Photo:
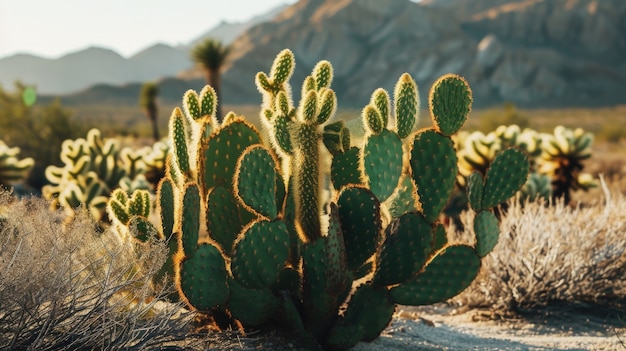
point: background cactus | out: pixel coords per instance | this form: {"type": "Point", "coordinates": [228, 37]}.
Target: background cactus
{"type": "Point", "coordinates": [13, 169]}
{"type": "Point", "coordinates": [291, 232]}
{"type": "Point", "coordinates": [556, 159]}
{"type": "Point", "coordinates": [94, 167]}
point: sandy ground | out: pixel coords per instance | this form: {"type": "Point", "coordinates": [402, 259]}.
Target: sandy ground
{"type": "Point", "coordinates": [440, 328]}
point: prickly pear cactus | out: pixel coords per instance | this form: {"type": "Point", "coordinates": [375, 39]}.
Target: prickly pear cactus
{"type": "Point", "coordinates": [13, 169]}
{"type": "Point", "coordinates": [318, 231]}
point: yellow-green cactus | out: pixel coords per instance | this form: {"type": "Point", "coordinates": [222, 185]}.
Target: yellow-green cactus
{"type": "Point", "coordinates": [12, 169]}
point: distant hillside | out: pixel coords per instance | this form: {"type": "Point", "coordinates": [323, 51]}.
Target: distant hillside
{"type": "Point", "coordinates": [76, 71]}
{"type": "Point", "coordinates": [534, 53]}
{"type": "Point", "coordinates": [530, 52]}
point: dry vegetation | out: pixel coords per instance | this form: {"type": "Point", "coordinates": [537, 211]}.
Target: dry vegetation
{"type": "Point", "coordinates": [69, 287]}
{"type": "Point", "coordinates": [552, 254]}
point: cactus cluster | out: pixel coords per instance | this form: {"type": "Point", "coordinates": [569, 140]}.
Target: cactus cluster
{"type": "Point", "coordinates": [315, 231]}
{"type": "Point", "coordinates": [94, 167]}
{"type": "Point", "coordinates": [13, 169]}
{"type": "Point", "coordinates": [555, 159]}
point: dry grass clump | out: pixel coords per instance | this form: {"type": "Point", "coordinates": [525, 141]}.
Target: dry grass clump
{"type": "Point", "coordinates": [69, 287]}
{"type": "Point", "coordinates": [554, 253]}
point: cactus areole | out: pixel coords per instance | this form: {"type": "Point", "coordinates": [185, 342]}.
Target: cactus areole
{"type": "Point", "coordinates": [315, 230]}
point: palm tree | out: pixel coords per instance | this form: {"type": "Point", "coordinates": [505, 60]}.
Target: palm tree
{"type": "Point", "coordinates": [211, 54]}
{"type": "Point", "coordinates": [147, 101]}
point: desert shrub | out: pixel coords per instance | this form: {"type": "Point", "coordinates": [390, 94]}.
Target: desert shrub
{"type": "Point", "coordinates": [555, 253]}
{"type": "Point", "coordinates": [69, 287]}
{"type": "Point", "coordinates": [507, 115]}
{"type": "Point", "coordinates": [612, 133]}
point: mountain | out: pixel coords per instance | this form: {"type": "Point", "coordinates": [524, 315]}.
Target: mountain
{"type": "Point", "coordinates": [227, 32]}
{"type": "Point", "coordinates": [529, 52]}
{"type": "Point", "coordinates": [534, 53]}
{"type": "Point", "coordinates": [76, 71]}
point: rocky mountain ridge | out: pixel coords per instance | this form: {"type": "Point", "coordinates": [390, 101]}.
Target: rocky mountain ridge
{"type": "Point", "coordinates": [534, 53]}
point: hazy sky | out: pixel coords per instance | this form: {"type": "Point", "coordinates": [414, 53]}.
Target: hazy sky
{"type": "Point", "coordinates": [52, 28]}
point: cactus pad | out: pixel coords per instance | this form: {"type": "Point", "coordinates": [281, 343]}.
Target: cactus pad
{"type": "Point", "coordinates": [166, 200]}
{"type": "Point", "coordinates": [255, 181]}
{"type": "Point", "coordinates": [190, 224]}
{"type": "Point", "coordinates": [408, 242]}
{"type": "Point", "coordinates": [434, 169]}
{"type": "Point", "coordinates": [223, 218]}
{"type": "Point", "coordinates": [450, 272]}
{"type": "Point", "coordinates": [450, 103]}
{"type": "Point", "coordinates": [359, 212]}
{"type": "Point", "coordinates": [203, 279]}
{"type": "Point", "coordinates": [141, 228]}
{"type": "Point", "coordinates": [344, 169]}
{"type": "Point", "coordinates": [260, 253]}
{"type": "Point", "coordinates": [371, 308]}
{"type": "Point", "coordinates": [222, 150]}
{"type": "Point", "coordinates": [475, 186]}
{"type": "Point", "coordinates": [487, 230]}
{"type": "Point", "coordinates": [505, 176]}
{"type": "Point", "coordinates": [407, 105]}
{"type": "Point", "coordinates": [251, 307]}
{"type": "Point", "coordinates": [382, 162]}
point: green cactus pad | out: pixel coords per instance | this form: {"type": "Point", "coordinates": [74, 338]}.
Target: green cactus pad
{"type": "Point", "coordinates": [407, 105]}
{"type": "Point", "coordinates": [344, 169]}
{"type": "Point", "coordinates": [191, 105]}
{"type": "Point", "coordinates": [306, 176]}
{"type": "Point", "coordinates": [408, 242]}
{"type": "Point", "coordinates": [260, 253]}
{"type": "Point", "coordinates": [344, 337]}
{"type": "Point", "coordinates": [309, 108]}
{"type": "Point", "coordinates": [178, 136]}
{"type": "Point", "coordinates": [371, 308]}
{"type": "Point", "coordinates": [450, 103]}
{"type": "Point", "coordinates": [487, 230]}
{"type": "Point", "coordinates": [475, 186]}
{"type": "Point", "coordinates": [372, 120]}
{"type": "Point", "coordinates": [323, 73]}
{"type": "Point", "coordinates": [403, 200]}
{"type": "Point", "coordinates": [441, 238]}
{"type": "Point", "coordinates": [434, 170]}
{"type": "Point", "coordinates": [450, 272]}
{"type": "Point", "coordinates": [332, 137]}
{"type": "Point", "coordinates": [382, 163]}
{"type": "Point", "coordinates": [222, 150]}
{"type": "Point", "coordinates": [282, 125]}
{"type": "Point", "coordinates": [336, 270]}
{"type": "Point", "coordinates": [328, 106]}
{"type": "Point", "coordinates": [141, 228]}
{"type": "Point", "coordinates": [283, 67]}
{"type": "Point", "coordinates": [359, 212]}
{"type": "Point", "coordinates": [505, 176]}
{"type": "Point", "coordinates": [190, 223]}
{"type": "Point", "coordinates": [319, 304]}
{"type": "Point", "coordinates": [380, 100]}
{"type": "Point", "coordinates": [252, 307]}
{"type": "Point", "coordinates": [255, 181]}
{"type": "Point", "coordinates": [208, 101]}
{"type": "Point", "coordinates": [166, 200]}
{"type": "Point", "coordinates": [117, 206]}
{"type": "Point", "coordinates": [202, 279]}
{"type": "Point", "coordinates": [223, 218]}
{"type": "Point", "coordinates": [139, 203]}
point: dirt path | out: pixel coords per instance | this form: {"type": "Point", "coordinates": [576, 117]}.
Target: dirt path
{"type": "Point", "coordinates": [434, 328]}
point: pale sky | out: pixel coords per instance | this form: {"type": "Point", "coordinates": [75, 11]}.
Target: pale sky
{"type": "Point", "coordinates": [51, 28]}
